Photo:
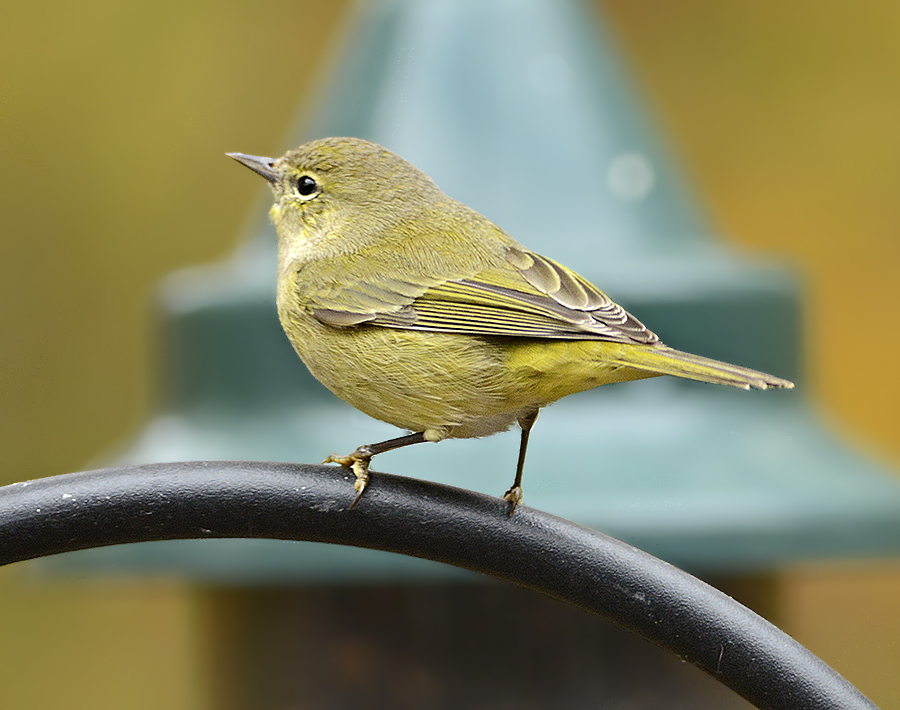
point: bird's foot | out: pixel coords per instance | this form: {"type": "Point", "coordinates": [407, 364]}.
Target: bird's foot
{"type": "Point", "coordinates": [358, 462]}
{"type": "Point", "coordinates": [514, 496]}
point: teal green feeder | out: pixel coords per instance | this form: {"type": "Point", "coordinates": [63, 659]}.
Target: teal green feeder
{"type": "Point", "coordinates": [522, 111]}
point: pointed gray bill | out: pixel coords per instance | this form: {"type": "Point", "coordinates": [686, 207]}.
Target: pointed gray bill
{"type": "Point", "coordinates": [258, 164]}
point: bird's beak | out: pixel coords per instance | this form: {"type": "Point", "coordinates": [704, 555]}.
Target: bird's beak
{"type": "Point", "coordinates": [258, 164]}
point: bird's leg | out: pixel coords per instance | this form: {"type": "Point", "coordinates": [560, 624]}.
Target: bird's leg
{"type": "Point", "coordinates": [514, 494]}
{"type": "Point", "coordinates": [358, 461]}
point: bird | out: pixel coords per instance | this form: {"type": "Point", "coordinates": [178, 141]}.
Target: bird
{"type": "Point", "coordinates": [422, 313]}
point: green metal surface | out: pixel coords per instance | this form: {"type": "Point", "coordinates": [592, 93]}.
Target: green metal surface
{"type": "Point", "coordinates": [522, 111]}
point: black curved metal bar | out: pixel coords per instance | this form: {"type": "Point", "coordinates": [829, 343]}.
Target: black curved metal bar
{"type": "Point", "coordinates": [302, 502]}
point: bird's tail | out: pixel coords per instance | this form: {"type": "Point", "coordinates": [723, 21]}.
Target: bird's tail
{"type": "Point", "coordinates": [663, 360]}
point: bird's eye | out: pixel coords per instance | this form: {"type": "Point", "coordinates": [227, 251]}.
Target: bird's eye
{"type": "Point", "coordinates": [306, 186]}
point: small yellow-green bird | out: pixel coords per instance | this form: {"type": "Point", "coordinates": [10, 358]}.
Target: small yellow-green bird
{"type": "Point", "coordinates": [424, 314]}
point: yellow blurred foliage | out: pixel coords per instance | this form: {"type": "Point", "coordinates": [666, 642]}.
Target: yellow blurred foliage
{"type": "Point", "coordinates": [98, 644]}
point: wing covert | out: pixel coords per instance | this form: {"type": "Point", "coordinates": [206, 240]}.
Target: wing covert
{"type": "Point", "coordinates": [538, 299]}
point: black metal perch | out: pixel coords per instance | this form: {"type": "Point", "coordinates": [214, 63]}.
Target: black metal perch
{"type": "Point", "coordinates": [599, 574]}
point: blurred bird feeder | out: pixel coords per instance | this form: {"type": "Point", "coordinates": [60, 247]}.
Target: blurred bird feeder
{"type": "Point", "coordinates": [522, 111]}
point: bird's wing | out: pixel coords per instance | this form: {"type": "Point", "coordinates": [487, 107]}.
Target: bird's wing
{"type": "Point", "coordinates": [537, 298]}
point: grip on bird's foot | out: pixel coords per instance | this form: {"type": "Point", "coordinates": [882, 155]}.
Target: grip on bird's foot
{"type": "Point", "coordinates": [358, 462]}
{"type": "Point", "coordinates": [514, 496]}
{"type": "Point", "coordinates": [361, 471]}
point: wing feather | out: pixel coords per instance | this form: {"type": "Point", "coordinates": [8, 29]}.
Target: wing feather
{"type": "Point", "coordinates": [538, 299]}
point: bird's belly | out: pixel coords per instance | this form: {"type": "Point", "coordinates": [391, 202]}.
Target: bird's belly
{"type": "Point", "coordinates": [444, 384]}
{"type": "Point", "coordinates": [448, 384]}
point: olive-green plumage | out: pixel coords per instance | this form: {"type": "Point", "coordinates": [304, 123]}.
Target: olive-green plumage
{"type": "Point", "coordinates": [422, 313]}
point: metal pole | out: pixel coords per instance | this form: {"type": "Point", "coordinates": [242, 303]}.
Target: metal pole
{"type": "Point", "coordinates": [599, 574]}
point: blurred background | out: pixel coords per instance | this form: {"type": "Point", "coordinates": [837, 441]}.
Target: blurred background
{"type": "Point", "coordinates": [113, 120]}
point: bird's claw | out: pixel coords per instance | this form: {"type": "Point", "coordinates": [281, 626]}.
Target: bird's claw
{"type": "Point", "coordinates": [514, 496]}
{"type": "Point", "coordinates": [358, 462]}
{"type": "Point", "coordinates": [345, 461]}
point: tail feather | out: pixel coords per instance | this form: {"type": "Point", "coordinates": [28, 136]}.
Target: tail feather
{"type": "Point", "coordinates": [667, 361]}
